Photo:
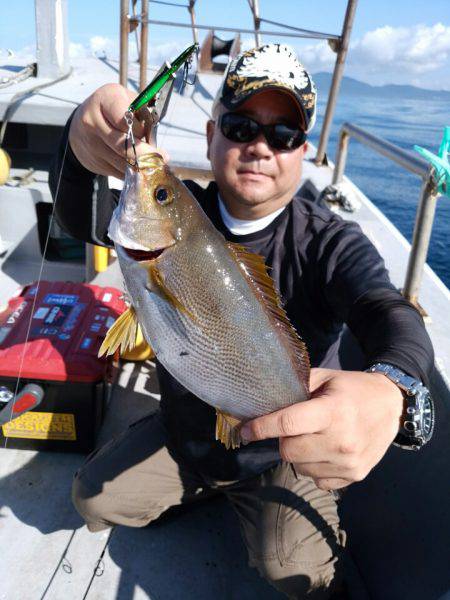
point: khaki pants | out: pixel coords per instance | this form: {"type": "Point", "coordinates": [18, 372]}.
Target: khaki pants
{"type": "Point", "coordinates": [290, 527]}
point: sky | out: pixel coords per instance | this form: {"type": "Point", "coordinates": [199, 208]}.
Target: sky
{"type": "Point", "coordinates": [393, 41]}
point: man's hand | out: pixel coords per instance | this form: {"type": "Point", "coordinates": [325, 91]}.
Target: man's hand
{"type": "Point", "coordinates": [341, 433]}
{"type": "Point", "coordinates": [98, 129]}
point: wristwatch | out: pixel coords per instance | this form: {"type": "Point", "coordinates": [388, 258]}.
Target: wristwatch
{"type": "Point", "coordinates": [418, 418]}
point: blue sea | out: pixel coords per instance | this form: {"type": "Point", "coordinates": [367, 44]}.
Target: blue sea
{"type": "Point", "coordinates": [391, 188]}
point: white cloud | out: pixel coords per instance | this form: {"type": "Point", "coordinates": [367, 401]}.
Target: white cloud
{"type": "Point", "coordinates": [391, 55]}
{"type": "Point", "coordinates": [317, 57]}
{"type": "Point", "coordinates": [25, 55]}
{"type": "Point", "coordinates": [100, 44]}
{"type": "Point", "coordinates": [78, 50]}
{"type": "Point", "coordinates": [414, 50]}
{"type": "Point", "coordinates": [159, 53]}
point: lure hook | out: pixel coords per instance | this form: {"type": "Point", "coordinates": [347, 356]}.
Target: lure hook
{"type": "Point", "coordinates": [129, 138]}
{"type": "Point", "coordinates": [186, 67]}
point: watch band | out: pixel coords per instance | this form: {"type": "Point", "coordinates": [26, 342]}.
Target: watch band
{"type": "Point", "coordinates": [396, 375]}
{"type": "Point", "coordinates": [418, 417]}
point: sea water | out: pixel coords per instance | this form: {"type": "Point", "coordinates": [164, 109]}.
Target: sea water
{"type": "Point", "coordinates": [391, 188]}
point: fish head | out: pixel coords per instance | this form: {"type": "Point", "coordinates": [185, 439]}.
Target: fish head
{"type": "Point", "coordinates": [148, 216]}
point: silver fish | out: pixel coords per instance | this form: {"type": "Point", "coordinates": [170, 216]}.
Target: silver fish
{"type": "Point", "coordinates": [207, 307]}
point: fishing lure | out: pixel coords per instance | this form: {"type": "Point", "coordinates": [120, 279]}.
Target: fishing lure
{"type": "Point", "coordinates": [156, 95]}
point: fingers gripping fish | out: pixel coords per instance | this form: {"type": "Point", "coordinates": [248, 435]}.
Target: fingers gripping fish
{"type": "Point", "coordinates": [206, 306]}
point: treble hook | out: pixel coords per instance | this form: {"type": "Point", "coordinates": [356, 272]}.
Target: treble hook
{"type": "Point", "coordinates": [130, 138]}
{"type": "Point", "coordinates": [187, 65]}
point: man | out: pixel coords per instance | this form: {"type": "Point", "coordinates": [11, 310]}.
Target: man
{"type": "Point", "coordinates": [327, 272]}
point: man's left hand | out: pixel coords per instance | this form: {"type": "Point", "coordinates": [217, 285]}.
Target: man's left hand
{"type": "Point", "coordinates": [341, 433]}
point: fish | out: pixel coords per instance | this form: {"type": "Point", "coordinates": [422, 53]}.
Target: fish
{"type": "Point", "coordinates": [207, 307]}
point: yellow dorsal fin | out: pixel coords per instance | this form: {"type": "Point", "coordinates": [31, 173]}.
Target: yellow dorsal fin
{"type": "Point", "coordinates": [227, 430]}
{"type": "Point", "coordinates": [255, 270]}
{"type": "Point", "coordinates": [122, 333]}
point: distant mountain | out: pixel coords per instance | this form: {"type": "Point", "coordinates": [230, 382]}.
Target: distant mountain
{"type": "Point", "coordinates": [353, 86]}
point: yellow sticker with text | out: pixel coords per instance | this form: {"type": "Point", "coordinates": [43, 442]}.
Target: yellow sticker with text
{"type": "Point", "coordinates": [42, 426]}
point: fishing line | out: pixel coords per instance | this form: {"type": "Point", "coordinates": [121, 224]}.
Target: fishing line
{"type": "Point", "coordinates": [67, 567]}
{"type": "Point", "coordinates": [35, 296]}
{"type": "Point", "coordinates": [99, 568]}
{"type": "Point", "coordinates": [129, 137]}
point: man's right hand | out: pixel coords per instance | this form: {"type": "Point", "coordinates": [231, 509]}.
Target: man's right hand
{"type": "Point", "coordinates": [98, 129]}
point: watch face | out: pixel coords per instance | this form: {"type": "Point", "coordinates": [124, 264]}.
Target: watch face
{"type": "Point", "coordinates": [427, 417]}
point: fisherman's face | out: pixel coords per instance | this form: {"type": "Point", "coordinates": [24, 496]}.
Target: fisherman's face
{"type": "Point", "coordinates": [255, 179]}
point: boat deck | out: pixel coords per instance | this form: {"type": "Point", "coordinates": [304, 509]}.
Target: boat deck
{"type": "Point", "coordinates": [397, 519]}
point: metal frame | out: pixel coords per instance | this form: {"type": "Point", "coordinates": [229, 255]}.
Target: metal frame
{"type": "Point", "coordinates": [338, 73]}
{"type": "Point", "coordinates": [143, 53]}
{"type": "Point", "coordinates": [254, 7]}
{"type": "Point", "coordinates": [427, 200]}
{"type": "Point", "coordinates": [300, 34]}
{"type": "Point", "coordinates": [192, 15]}
{"type": "Point", "coordinates": [339, 44]}
{"type": "Point", "coordinates": [52, 40]}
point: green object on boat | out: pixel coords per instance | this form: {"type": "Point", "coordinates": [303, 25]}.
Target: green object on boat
{"type": "Point", "coordinates": [440, 163]}
{"type": "Point", "coordinates": [161, 79]}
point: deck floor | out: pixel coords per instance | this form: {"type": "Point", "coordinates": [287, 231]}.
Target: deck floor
{"type": "Point", "coordinates": [44, 541]}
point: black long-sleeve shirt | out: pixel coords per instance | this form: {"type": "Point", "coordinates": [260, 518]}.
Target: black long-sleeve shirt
{"type": "Point", "coordinates": [327, 273]}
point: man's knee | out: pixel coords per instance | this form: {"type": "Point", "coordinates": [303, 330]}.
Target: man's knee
{"type": "Point", "coordinates": [103, 510]}
{"type": "Point", "coordinates": [302, 580]}
{"type": "Point", "coordinates": [89, 506]}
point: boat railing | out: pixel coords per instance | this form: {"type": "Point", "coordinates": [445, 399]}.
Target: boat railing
{"type": "Point", "coordinates": [427, 200]}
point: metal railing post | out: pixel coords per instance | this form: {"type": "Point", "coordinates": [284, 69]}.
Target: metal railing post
{"type": "Point", "coordinates": [144, 45]}
{"type": "Point", "coordinates": [341, 157]}
{"type": "Point", "coordinates": [124, 30]}
{"type": "Point", "coordinates": [52, 39]}
{"type": "Point", "coordinates": [336, 81]}
{"type": "Point", "coordinates": [192, 15]}
{"type": "Point", "coordinates": [421, 239]}
{"type": "Point", "coordinates": [427, 202]}
{"type": "Point", "coordinates": [256, 21]}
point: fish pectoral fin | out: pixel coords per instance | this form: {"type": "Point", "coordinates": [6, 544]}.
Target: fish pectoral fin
{"type": "Point", "coordinates": [158, 286]}
{"type": "Point", "coordinates": [141, 350]}
{"type": "Point", "coordinates": [227, 430]}
{"type": "Point", "coordinates": [123, 333]}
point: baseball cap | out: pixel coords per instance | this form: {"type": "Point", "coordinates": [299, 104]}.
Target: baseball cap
{"type": "Point", "coordinates": [271, 66]}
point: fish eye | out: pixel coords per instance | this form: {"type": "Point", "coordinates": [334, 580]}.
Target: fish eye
{"type": "Point", "coordinates": [163, 195]}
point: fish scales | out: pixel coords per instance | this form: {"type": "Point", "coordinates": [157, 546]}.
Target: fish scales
{"type": "Point", "coordinates": [201, 311]}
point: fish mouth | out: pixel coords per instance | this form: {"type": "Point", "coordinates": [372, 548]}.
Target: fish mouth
{"type": "Point", "coordinates": [143, 255]}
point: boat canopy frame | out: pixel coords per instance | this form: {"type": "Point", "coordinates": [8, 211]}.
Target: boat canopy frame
{"type": "Point", "coordinates": [338, 43]}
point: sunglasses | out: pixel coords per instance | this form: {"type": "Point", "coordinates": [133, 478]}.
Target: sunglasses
{"type": "Point", "coordinates": [242, 129]}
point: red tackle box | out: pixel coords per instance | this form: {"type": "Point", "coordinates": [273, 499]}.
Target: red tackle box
{"type": "Point", "coordinates": [65, 323]}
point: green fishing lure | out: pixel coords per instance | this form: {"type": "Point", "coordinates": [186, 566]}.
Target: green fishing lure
{"type": "Point", "coordinates": [149, 93]}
